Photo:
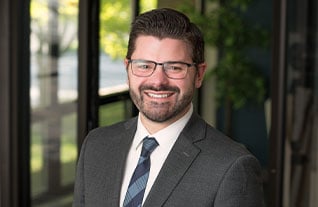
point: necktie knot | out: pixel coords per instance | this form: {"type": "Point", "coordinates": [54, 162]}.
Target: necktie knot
{"type": "Point", "coordinates": [149, 144]}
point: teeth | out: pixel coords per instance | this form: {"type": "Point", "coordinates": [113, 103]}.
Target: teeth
{"type": "Point", "coordinates": [158, 95]}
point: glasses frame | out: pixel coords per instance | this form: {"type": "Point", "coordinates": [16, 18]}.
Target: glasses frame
{"type": "Point", "coordinates": [130, 61]}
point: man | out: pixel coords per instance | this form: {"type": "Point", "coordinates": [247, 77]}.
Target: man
{"type": "Point", "coordinates": [167, 156]}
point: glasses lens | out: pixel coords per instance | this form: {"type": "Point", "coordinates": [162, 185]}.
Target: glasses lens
{"type": "Point", "coordinates": [176, 70]}
{"type": "Point", "coordinates": [142, 68]}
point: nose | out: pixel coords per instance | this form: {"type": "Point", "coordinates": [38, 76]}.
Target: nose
{"type": "Point", "coordinates": [159, 76]}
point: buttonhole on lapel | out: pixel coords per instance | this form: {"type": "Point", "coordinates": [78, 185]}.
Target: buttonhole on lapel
{"type": "Point", "coordinates": [186, 154]}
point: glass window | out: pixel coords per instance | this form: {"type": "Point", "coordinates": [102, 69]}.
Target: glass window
{"type": "Point", "coordinates": [53, 95]}
{"type": "Point", "coordinates": [115, 17]}
{"type": "Point", "coordinates": [117, 114]}
{"type": "Point", "coordinates": [300, 156]}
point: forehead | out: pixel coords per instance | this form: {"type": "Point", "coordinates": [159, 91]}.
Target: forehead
{"type": "Point", "coordinates": [153, 48]}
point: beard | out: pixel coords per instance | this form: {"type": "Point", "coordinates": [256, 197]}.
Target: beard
{"type": "Point", "coordinates": [161, 111]}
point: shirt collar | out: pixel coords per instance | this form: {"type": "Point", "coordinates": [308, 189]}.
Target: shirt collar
{"type": "Point", "coordinates": [166, 136]}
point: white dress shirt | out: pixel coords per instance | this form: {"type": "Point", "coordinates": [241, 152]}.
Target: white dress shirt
{"type": "Point", "coordinates": [166, 139]}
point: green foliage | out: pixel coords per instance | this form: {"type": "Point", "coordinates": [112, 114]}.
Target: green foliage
{"type": "Point", "coordinates": [115, 19]}
{"type": "Point", "coordinates": [237, 78]}
{"type": "Point", "coordinates": [238, 81]}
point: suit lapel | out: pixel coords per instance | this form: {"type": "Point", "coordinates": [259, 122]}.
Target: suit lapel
{"type": "Point", "coordinates": [119, 161]}
{"type": "Point", "coordinates": [179, 160]}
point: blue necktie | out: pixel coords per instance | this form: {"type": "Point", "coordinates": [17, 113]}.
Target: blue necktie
{"type": "Point", "coordinates": [138, 182]}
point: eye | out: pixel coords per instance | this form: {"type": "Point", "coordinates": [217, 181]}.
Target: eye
{"type": "Point", "coordinates": [175, 67]}
{"type": "Point", "coordinates": [143, 65]}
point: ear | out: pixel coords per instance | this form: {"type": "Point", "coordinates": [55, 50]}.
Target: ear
{"type": "Point", "coordinates": [201, 68]}
{"type": "Point", "coordinates": [126, 63]}
{"type": "Point", "coordinates": [126, 66]}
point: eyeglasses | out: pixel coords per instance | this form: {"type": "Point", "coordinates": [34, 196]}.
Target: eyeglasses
{"type": "Point", "coordinates": [172, 69]}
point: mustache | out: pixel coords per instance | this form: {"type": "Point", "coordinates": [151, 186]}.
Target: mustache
{"type": "Point", "coordinates": [159, 88]}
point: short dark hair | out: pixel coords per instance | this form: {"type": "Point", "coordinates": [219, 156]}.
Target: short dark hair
{"type": "Point", "coordinates": [167, 23]}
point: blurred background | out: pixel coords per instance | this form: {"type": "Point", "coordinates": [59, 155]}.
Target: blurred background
{"type": "Point", "coordinates": [62, 74]}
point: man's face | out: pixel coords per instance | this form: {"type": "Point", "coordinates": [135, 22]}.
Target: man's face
{"type": "Point", "coordinates": [159, 98]}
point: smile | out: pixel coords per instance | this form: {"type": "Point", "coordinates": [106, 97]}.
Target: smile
{"type": "Point", "coordinates": [156, 95]}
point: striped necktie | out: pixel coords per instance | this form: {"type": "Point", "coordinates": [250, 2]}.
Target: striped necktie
{"type": "Point", "coordinates": [138, 182]}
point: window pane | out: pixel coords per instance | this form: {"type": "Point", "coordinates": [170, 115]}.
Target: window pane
{"type": "Point", "coordinates": [300, 156]}
{"type": "Point", "coordinates": [115, 17]}
{"type": "Point", "coordinates": [113, 113]}
{"type": "Point", "coordinates": [53, 97]}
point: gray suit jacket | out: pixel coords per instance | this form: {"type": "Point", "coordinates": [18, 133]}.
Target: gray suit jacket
{"type": "Point", "coordinates": [204, 168]}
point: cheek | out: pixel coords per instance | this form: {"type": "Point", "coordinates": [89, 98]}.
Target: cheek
{"type": "Point", "coordinates": [186, 87]}
{"type": "Point", "coordinates": [128, 79]}
{"type": "Point", "coordinates": [133, 82]}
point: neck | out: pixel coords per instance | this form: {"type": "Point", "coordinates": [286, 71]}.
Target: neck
{"type": "Point", "coordinates": [153, 126]}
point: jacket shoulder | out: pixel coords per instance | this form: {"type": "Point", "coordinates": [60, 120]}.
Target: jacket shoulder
{"type": "Point", "coordinates": [210, 140]}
